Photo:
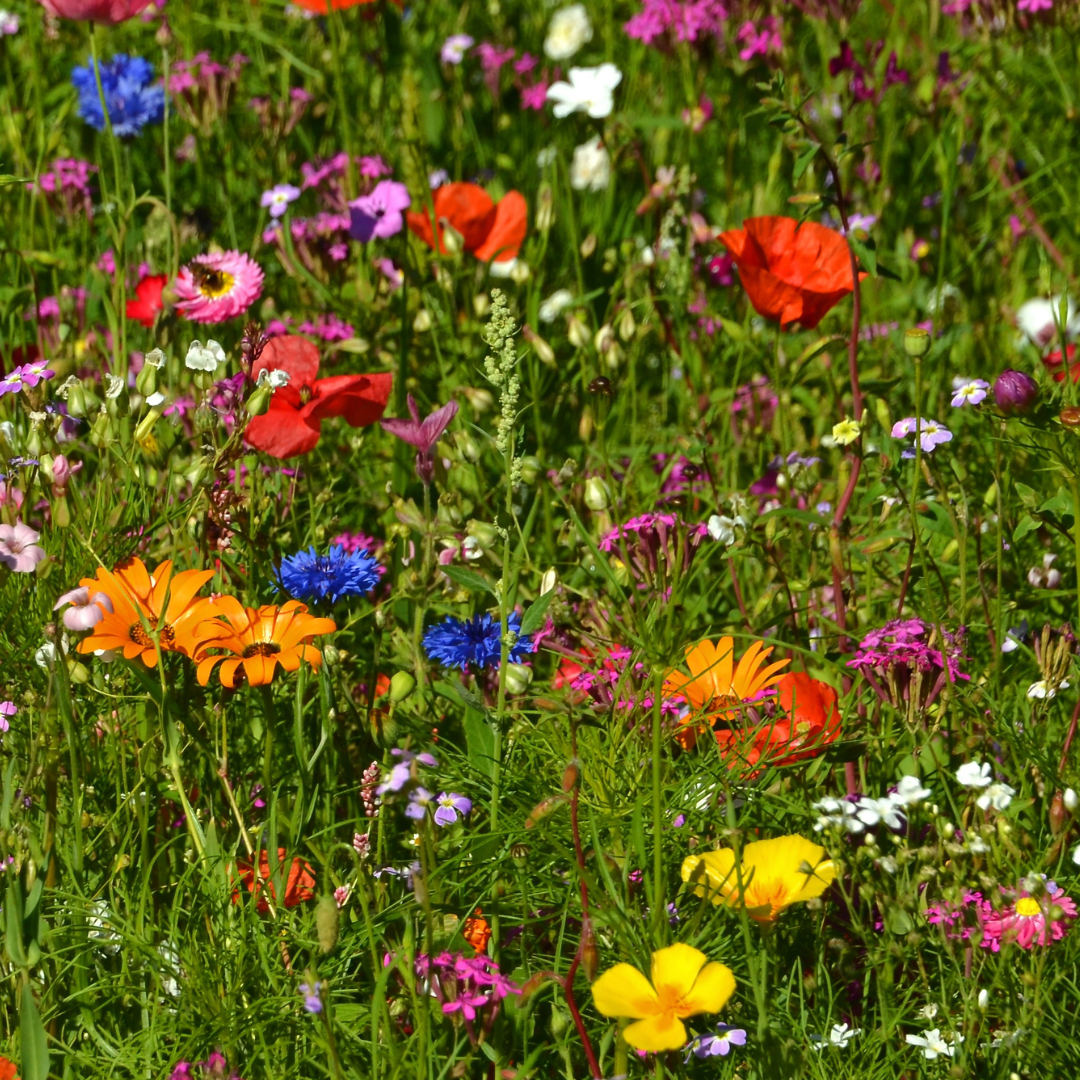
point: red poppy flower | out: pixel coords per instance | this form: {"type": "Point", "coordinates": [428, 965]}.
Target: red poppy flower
{"type": "Point", "coordinates": [8, 1069]}
{"type": "Point", "coordinates": [489, 230]}
{"type": "Point", "coordinates": [791, 272]}
{"type": "Point", "coordinates": [322, 7]}
{"type": "Point", "coordinates": [1052, 361]}
{"type": "Point", "coordinates": [299, 885]}
{"type": "Point", "coordinates": [294, 422]}
{"type": "Point", "coordinates": [148, 299]}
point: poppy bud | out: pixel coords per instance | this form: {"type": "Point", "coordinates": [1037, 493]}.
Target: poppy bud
{"type": "Point", "coordinates": [402, 684]}
{"type": "Point", "coordinates": [326, 923]}
{"type": "Point", "coordinates": [1070, 417]}
{"type": "Point", "coordinates": [518, 677]}
{"type": "Point", "coordinates": [596, 493]}
{"type": "Point", "coordinates": [1057, 813]}
{"type": "Point", "coordinates": [1015, 392]}
{"type": "Point", "coordinates": [917, 341]}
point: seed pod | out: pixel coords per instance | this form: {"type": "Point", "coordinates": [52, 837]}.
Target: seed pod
{"type": "Point", "coordinates": [327, 922]}
{"type": "Point", "coordinates": [917, 341]}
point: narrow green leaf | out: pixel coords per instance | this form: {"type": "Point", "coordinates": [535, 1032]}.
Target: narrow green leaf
{"type": "Point", "coordinates": [34, 1043]}
{"type": "Point", "coordinates": [537, 613]}
{"type": "Point", "coordinates": [802, 162]}
{"type": "Point", "coordinates": [468, 579]}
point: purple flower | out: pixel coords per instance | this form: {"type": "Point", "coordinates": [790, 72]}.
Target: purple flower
{"type": "Point", "coordinates": [277, 199]}
{"type": "Point", "coordinates": [401, 773]}
{"type": "Point", "coordinates": [25, 375]}
{"type": "Point", "coordinates": [930, 432]}
{"type": "Point", "coordinates": [1015, 391]}
{"type": "Point", "coordinates": [312, 997]}
{"type": "Point", "coordinates": [86, 611]}
{"type": "Point", "coordinates": [379, 214]}
{"type": "Point", "coordinates": [971, 392]}
{"type": "Point", "coordinates": [453, 48]}
{"type": "Point", "coordinates": [7, 709]}
{"type": "Point", "coordinates": [1035, 6]}
{"type": "Point", "coordinates": [705, 1046]}
{"type": "Point", "coordinates": [423, 434]}
{"type": "Point", "coordinates": [419, 799]}
{"type": "Point", "coordinates": [450, 805]}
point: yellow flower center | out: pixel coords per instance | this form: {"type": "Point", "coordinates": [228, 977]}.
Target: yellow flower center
{"type": "Point", "coordinates": [1027, 907]}
{"type": "Point", "coordinates": [215, 283]}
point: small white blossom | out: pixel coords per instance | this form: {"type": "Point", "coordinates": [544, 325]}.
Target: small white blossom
{"type": "Point", "coordinates": [555, 305]}
{"type": "Point", "coordinates": [1076, 855]}
{"type": "Point", "coordinates": [996, 795]}
{"type": "Point", "coordinates": [589, 90]}
{"type": "Point", "coordinates": [976, 845]}
{"type": "Point", "coordinates": [1043, 691]}
{"type": "Point", "coordinates": [837, 814]}
{"type": "Point", "coordinates": [156, 399]}
{"type": "Point", "coordinates": [590, 169]}
{"type": "Point", "coordinates": [275, 379]}
{"type": "Point", "coordinates": [113, 385]}
{"type": "Point", "coordinates": [722, 529]}
{"type": "Point", "coordinates": [880, 811]}
{"type": "Point", "coordinates": [1070, 800]}
{"type": "Point", "coordinates": [974, 774]}
{"type": "Point", "coordinates": [909, 791]}
{"type": "Point", "coordinates": [568, 31]}
{"type": "Point", "coordinates": [839, 1036]}
{"type": "Point", "coordinates": [984, 998]}
{"type": "Point", "coordinates": [206, 357]}
{"type": "Point", "coordinates": [933, 1045]}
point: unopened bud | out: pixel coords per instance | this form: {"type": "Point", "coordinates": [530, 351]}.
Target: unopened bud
{"type": "Point", "coordinates": [588, 245]}
{"type": "Point", "coordinates": [627, 325]}
{"type": "Point", "coordinates": [518, 677]}
{"type": "Point", "coordinates": [1070, 417]}
{"type": "Point", "coordinates": [146, 425]}
{"type": "Point", "coordinates": [146, 382]}
{"type": "Point", "coordinates": [1071, 800]}
{"type": "Point", "coordinates": [1058, 815]}
{"type": "Point", "coordinates": [453, 241]}
{"type": "Point", "coordinates": [470, 449]}
{"type": "Point", "coordinates": [577, 332]}
{"type": "Point", "coordinates": [570, 777]}
{"type": "Point", "coordinates": [422, 321]}
{"type": "Point", "coordinates": [77, 404]}
{"type": "Point", "coordinates": [1015, 392]}
{"type": "Point", "coordinates": [549, 580]}
{"type": "Point", "coordinates": [596, 494]}
{"type": "Point", "coordinates": [545, 208]}
{"type": "Point", "coordinates": [482, 531]}
{"type": "Point", "coordinates": [542, 349]}
{"type": "Point", "coordinates": [326, 923]}
{"type": "Point", "coordinates": [402, 684]}
{"type": "Point", "coordinates": [917, 341]}
{"type": "Point", "coordinates": [258, 401]}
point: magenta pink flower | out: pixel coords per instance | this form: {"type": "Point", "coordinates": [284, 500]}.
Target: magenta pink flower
{"type": "Point", "coordinates": [217, 287]}
{"type": "Point", "coordinates": [1029, 920]}
{"type": "Point", "coordinates": [380, 213]}
{"type": "Point", "coordinates": [18, 548]}
{"type": "Point", "coordinates": [85, 611]}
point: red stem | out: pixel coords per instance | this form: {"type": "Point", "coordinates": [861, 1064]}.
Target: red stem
{"type": "Point", "coordinates": [1070, 735]}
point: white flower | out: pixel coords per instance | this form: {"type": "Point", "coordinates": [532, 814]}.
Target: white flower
{"type": "Point", "coordinates": [155, 358]}
{"type": "Point", "coordinates": [933, 1045]}
{"type": "Point", "coordinates": [722, 529]}
{"type": "Point", "coordinates": [568, 31]}
{"type": "Point", "coordinates": [156, 399]}
{"type": "Point", "coordinates": [840, 1035]}
{"type": "Point", "coordinates": [837, 814]}
{"type": "Point", "coordinates": [928, 1012]}
{"type": "Point", "coordinates": [555, 305]}
{"type": "Point", "coordinates": [113, 385]}
{"type": "Point", "coordinates": [275, 379]}
{"type": "Point", "coordinates": [909, 791]}
{"type": "Point", "coordinates": [206, 357]}
{"type": "Point", "coordinates": [1070, 800]}
{"type": "Point", "coordinates": [984, 998]}
{"type": "Point", "coordinates": [1006, 1038]}
{"type": "Point", "coordinates": [976, 845]}
{"type": "Point", "coordinates": [471, 549]}
{"type": "Point", "coordinates": [591, 168]}
{"type": "Point", "coordinates": [883, 811]}
{"type": "Point", "coordinates": [590, 90]}
{"type": "Point", "coordinates": [1037, 321]}
{"type": "Point", "coordinates": [974, 774]}
{"type": "Point", "coordinates": [46, 656]}
{"type": "Point", "coordinates": [1043, 691]}
{"type": "Point", "coordinates": [996, 795]}
{"type": "Point", "coordinates": [1076, 855]}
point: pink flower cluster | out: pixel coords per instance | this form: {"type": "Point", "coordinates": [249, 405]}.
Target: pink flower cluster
{"type": "Point", "coordinates": [67, 186]}
{"type": "Point", "coordinates": [1026, 920]}
{"type": "Point", "coordinates": [654, 544]}
{"type": "Point", "coordinates": [663, 21]}
{"type": "Point", "coordinates": [201, 88]}
{"type": "Point", "coordinates": [215, 1067]}
{"type": "Point", "coordinates": [755, 404]}
{"type": "Point", "coordinates": [611, 681]}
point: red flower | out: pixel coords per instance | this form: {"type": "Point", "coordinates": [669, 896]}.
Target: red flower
{"type": "Point", "coordinates": [322, 7]}
{"type": "Point", "coordinates": [299, 886]}
{"type": "Point", "coordinates": [488, 230]}
{"type": "Point", "coordinates": [791, 272]}
{"type": "Point", "coordinates": [1053, 364]}
{"type": "Point", "coordinates": [148, 302]}
{"type": "Point", "coordinates": [8, 1069]}
{"type": "Point", "coordinates": [297, 410]}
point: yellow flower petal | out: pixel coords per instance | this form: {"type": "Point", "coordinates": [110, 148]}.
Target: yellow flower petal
{"type": "Point", "coordinates": [712, 874]}
{"type": "Point", "coordinates": [675, 968]}
{"type": "Point", "coordinates": [624, 991]}
{"type": "Point", "coordinates": [715, 984]}
{"type": "Point", "coordinates": [656, 1033]}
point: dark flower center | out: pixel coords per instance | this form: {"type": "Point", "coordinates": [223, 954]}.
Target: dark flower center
{"type": "Point", "coordinates": [261, 648]}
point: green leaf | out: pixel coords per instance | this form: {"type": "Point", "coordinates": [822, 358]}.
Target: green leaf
{"type": "Point", "coordinates": [898, 920]}
{"type": "Point", "coordinates": [535, 616]}
{"type": "Point", "coordinates": [13, 918]}
{"type": "Point", "coordinates": [733, 329]}
{"type": "Point", "coordinates": [1027, 524]}
{"type": "Point", "coordinates": [468, 579]}
{"type": "Point", "coordinates": [480, 740]}
{"type": "Point", "coordinates": [1028, 495]}
{"type": "Point", "coordinates": [802, 162]}
{"type": "Point", "coordinates": [866, 252]}
{"type": "Point", "coordinates": [34, 1044]}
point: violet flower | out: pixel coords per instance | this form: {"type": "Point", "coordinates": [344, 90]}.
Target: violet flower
{"type": "Point", "coordinates": [423, 434]}
{"type": "Point", "coordinates": [19, 550]}
{"type": "Point", "coordinates": [312, 997]}
{"type": "Point", "coordinates": [450, 805]}
{"type": "Point", "coordinates": [86, 611]}
{"type": "Point", "coordinates": [379, 214]}
{"type": "Point", "coordinates": [419, 798]}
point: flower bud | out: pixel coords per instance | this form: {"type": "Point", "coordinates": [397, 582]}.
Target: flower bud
{"type": "Point", "coordinates": [1057, 813]}
{"type": "Point", "coordinates": [1070, 417]}
{"type": "Point", "coordinates": [1015, 392]}
{"type": "Point", "coordinates": [482, 531]}
{"type": "Point", "coordinates": [258, 402]}
{"type": "Point", "coordinates": [453, 241]}
{"type": "Point", "coordinates": [917, 341]}
{"type": "Point", "coordinates": [402, 685]}
{"type": "Point", "coordinates": [530, 470]}
{"type": "Point", "coordinates": [146, 425]}
{"type": "Point", "coordinates": [545, 208]}
{"type": "Point", "coordinates": [627, 325]}
{"type": "Point", "coordinates": [77, 404]}
{"type": "Point", "coordinates": [542, 349]}
{"type": "Point", "coordinates": [146, 380]}
{"type": "Point", "coordinates": [577, 332]}
{"type": "Point", "coordinates": [518, 677]}
{"type": "Point", "coordinates": [326, 923]}
{"type": "Point", "coordinates": [422, 321]}
{"type": "Point", "coordinates": [588, 245]}
{"type": "Point", "coordinates": [596, 494]}
{"type": "Point", "coordinates": [1070, 800]}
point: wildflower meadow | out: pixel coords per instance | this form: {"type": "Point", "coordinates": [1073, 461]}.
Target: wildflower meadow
{"type": "Point", "coordinates": [539, 539]}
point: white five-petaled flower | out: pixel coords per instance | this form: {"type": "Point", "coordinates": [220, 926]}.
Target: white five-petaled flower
{"type": "Point", "coordinates": [933, 1045]}
{"type": "Point", "coordinates": [839, 1036]}
{"type": "Point", "coordinates": [909, 791]}
{"type": "Point", "coordinates": [555, 305]}
{"type": "Point", "coordinates": [275, 379]}
{"type": "Point", "coordinates": [206, 357]}
{"type": "Point", "coordinates": [589, 90]}
{"type": "Point", "coordinates": [568, 31]}
{"type": "Point", "coordinates": [880, 811]}
{"type": "Point", "coordinates": [837, 814]}
{"type": "Point", "coordinates": [590, 169]}
{"type": "Point", "coordinates": [996, 795]}
{"type": "Point", "coordinates": [722, 529]}
{"type": "Point", "coordinates": [974, 774]}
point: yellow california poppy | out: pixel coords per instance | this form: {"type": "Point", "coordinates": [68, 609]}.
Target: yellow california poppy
{"type": "Point", "coordinates": [774, 874]}
{"type": "Point", "coordinates": [684, 983]}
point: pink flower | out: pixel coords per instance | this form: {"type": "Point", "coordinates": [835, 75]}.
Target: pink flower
{"type": "Point", "coordinates": [86, 611]}
{"type": "Point", "coordinates": [1029, 921]}
{"type": "Point", "coordinates": [18, 548]}
{"type": "Point", "coordinates": [99, 11]}
{"type": "Point", "coordinates": [7, 708]}
{"type": "Point", "coordinates": [1034, 6]}
{"type": "Point", "coordinates": [219, 286]}
{"type": "Point", "coordinates": [534, 97]}
{"type": "Point", "coordinates": [10, 494]}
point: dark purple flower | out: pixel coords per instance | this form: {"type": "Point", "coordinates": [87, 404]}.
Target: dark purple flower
{"type": "Point", "coordinates": [1015, 391]}
{"type": "Point", "coordinates": [423, 434]}
{"type": "Point", "coordinates": [379, 214]}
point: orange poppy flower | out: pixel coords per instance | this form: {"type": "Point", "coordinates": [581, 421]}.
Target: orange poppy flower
{"type": "Point", "coordinates": [8, 1069]}
{"type": "Point", "coordinates": [807, 720]}
{"type": "Point", "coordinates": [323, 7]}
{"type": "Point", "coordinates": [477, 932]}
{"type": "Point", "coordinates": [791, 272]}
{"type": "Point", "coordinates": [259, 639]}
{"type": "Point", "coordinates": [716, 688]}
{"type": "Point", "coordinates": [299, 886]}
{"type": "Point", "coordinates": [489, 230]}
{"type": "Point", "coordinates": [146, 607]}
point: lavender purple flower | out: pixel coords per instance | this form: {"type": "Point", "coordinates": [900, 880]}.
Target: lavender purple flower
{"type": "Point", "coordinates": [380, 213]}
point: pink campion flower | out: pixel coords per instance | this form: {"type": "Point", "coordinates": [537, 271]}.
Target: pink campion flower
{"type": "Point", "coordinates": [8, 709]}
{"type": "Point", "coordinates": [1035, 6]}
{"type": "Point", "coordinates": [534, 97]}
{"type": "Point", "coordinates": [492, 59]}
{"type": "Point", "coordinates": [372, 166]}
{"type": "Point", "coordinates": [85, 611]}
{"type": "Point", "coordinates": [19, 550]}
{"type": "Point", "coordinates": [107, 263]}
{"type": "Point", "coordinates": [423, 434]}
{"type": "Point", "coordinates": [110, 12]}
{"type": "Point", "coordinates": [759, 39]}
{"type": "Point", "coordinates": [11, 494]}
{"type": "Point", "coordinates": [691, 21]}
{"type": "Point", "coordinates": [218, 286]}
{"type": "Point", "coordinates": [62, 472]}
{"type": "Point", "coordinates": [380, 213]}
{"type": "Point", "coordinates": [1029, 921]}
{"type": "Point", "coordinates": [453, 48]}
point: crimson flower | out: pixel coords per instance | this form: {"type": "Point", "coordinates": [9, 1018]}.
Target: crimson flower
{"type": "Point", "coordinates": [148, 302]}
{"type": "Point", "coordinates": [293, 423]}
{"type": "Point", "coordinates": [423, 434]}
{"type": "Point", "coordinates": [488, 229]}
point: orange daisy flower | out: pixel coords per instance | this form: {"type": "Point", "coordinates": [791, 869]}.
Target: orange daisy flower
{"type": "Point", "coordinates": [477, 932]}
{"type": "Point", "coordinates": [716, 688]}
{"type": "Point", "coordinates": [149, 611]}
{"type": "Point", "coordinates": [259, 639]}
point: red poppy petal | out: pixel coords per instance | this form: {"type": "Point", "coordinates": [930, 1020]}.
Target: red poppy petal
{"type": "Point", "coordinates": [468, 209]}
{"type": "Point", "coordinates": [361, 399]}
{"type": "Point", "coordinates": [508, 231]}
{"type": "Point", "coordinates": [284, 431]}
{"type": "Point", "coordinates": [296, 355]}
{"type": "Point", "coordinates": [148, 303]}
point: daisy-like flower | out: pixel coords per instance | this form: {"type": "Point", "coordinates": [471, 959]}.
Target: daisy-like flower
{"type": "Point", "coordinates": [19, 549]}
{"type": "Point", "coordinates": [837, 814]}
{"type": "Point", "coordinates": [147, 612]}
{"type": "Point", "coordinates": [332, 576]}
{"type": "Point", "coordinates": [1029, 920]}
{"type": "Point", "coordinates": [258, 639]}
{"type": "Point", "coordinates": [476, 641]}
{"type": "Point", "coordinates": [930, 433]}
{"type": "Point", "coordinates": [773, 875]}
{"type": "Point", "coordinates": [974, 774]}
{"type": "Point", "coordinates": [970, 392]}
{"type": "Point", "coordinates": [683, 983]}
{"type": "Point", "coordinates": [218, 286]}
{"type": "Point", "coordinates": [934, 1045]}
{"type": "Point", "coordinates": [839, 1036]}
{"type": "Point", "coordinates": [997, 796]}
{"type": "Point", "coordinates": [277, 199]}
{"type": "Point", "coordinates": [450, 805]}
{"type": "Point", "coordinates": [589, 90]}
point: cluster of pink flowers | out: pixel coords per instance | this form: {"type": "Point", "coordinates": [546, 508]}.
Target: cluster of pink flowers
{"type": "Point", "coordinates": [664, 21]}
{"type": "Point", "coordinates": [469, 988]}
{"type": "Point", "coordinates": [1028, 918]}
{"type": "Point", "coordinates": [861, 87]}
{"type": "Point", "coordinates": [611, 681]}
{"type": "Point", "coordinates": [760, 39]}
{"type": "Point", "coordinates": [903, 658]}
{"type": "Point", "coordinates": [357, 541]}
{"type": "Point", "coordinates": [281, 117]}
{"type": "Point", "coordinates": [979, 14]}
{"type": "Point", "coordinates": [755, 404]}
{"type": "Point", "coordinates": [67, 186]}
{"type": "Point", "coordinates": [215, 1067]}
{"type": "Point", "coordinates": [201, 88]}
{"type": "Point", "coordinates": [654, 544]}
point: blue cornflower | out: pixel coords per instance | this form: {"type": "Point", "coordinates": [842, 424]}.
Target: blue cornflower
{"type": "Point", "coordinates": [458, 642]}
{"type": "Point", "coordinates": [338, 573]}
{"type": "Point", "coordinates": [130, 96]}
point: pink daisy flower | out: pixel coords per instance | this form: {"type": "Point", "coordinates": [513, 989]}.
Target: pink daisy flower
{"type": "Point", "coordinates": [218, 286]}
{"type": "Point", "coordinates": [1029, 920]}
{"type": "Point", "coordinates": [18, 548]}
